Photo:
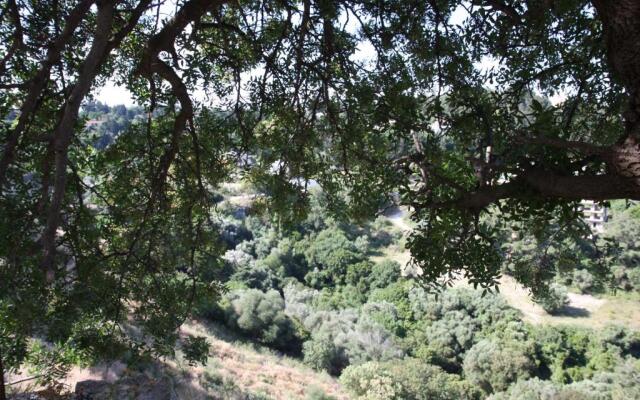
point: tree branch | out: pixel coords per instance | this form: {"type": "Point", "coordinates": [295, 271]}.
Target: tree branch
{"type": "Point", "coordinates": [37, 85]}
{"type": "Point", "coordinates": [546, 184]}
{"type": "Point", "coordinates": [18, 41]}
{"type": "Point", "coordinates": [580, 147]}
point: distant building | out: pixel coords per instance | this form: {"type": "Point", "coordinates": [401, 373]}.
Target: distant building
{"type": "Point", "coordinates": [595, 215]}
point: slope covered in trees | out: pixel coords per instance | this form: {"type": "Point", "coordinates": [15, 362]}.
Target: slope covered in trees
{"type": "Point", "coordinates": [321, 292]}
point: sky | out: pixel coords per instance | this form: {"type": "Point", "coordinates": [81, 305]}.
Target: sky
{"type": "Point", "coordinates": [112, 94]}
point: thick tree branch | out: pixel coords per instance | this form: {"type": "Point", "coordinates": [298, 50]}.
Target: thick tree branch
{"type": "Point", "coordinates": [37, 85]}
{"type": "Point", "coordinates": [571, 145]}
{"type": "Point", "coordinates": [546, 184]}
{"type": "Point", "coordinates": [151, 64]}
{"type": "Point", "coordinates": [64, 131]}
{"type": "Point", "coordinates": [18, 41]}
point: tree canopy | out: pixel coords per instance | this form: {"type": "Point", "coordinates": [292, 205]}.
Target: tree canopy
{"type": "Point", "coordinates": [460, 109]}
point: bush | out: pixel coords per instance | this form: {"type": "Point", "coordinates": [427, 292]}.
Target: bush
{"type": "Point", "coordinates": [554, 299]}
{"type": "Point", "coordinates": [261, 316]}
{"type": "Point", "coordinates": [408, 379]}
{"type": "Point", "coordinates": [622, 384]}
{"type": "Point", "coordinates": [372, 382]}
{"type": "Point", "coordinates": [341, 338]}
{"type": "Point", "coordinates": [487, 310]}
{"type": "Point", "coordinates": [362, 244]}
{"type": "Point", "coordinates": [256, 276]}
{"type": "Point", "coordinates": [287, 260]}
{"type": "Point", "coordinates": [494, 365]}
{"type": "Point", "coordinates": [341, 297]}
{"type": "Point", "coordinates": [450, 323]}
{"type": "Point", "coordinates": [532, 389]}
{"type": "Point", "coordinates": [444, 341]}
{"type": "Point", "coordinates": [385, 314]}
{"type": "Point", "coordinates": [397, 294]}
{"type": "Point", "coordinates": [321, 354]}
{"type": "Point", "coordinates": [624, 229]}
{"type": "Point", "coordinates": [384, 273]}
{"type": "Point", "coordinates": [634, 278]}
{"type": "Point", "coordinates": [627, 342]}
{"type": "Point", "coordinates": [583, 280]}
{"type": "Point", "coordinates": [219, 387]}
{"type": "Point", "coordinates": [299, 300]}
{"type": "Point", "coordinates": [238, 258]}
{"type": "Point", "coordinates": [368, 341]}
{"type": "Point", "coordinates": [315, 393]}
{"type": "Point", "coordinates": [380, 232]}
{"type": "Point", "coordinates": [620, 278]}
{"type": "Point", "coordinates": [329, 254]}
{"type": "Point", "coordinates": [570, 354]}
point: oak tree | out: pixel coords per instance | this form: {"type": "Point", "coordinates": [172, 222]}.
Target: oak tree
{"type": "Point", "coordinates": [462, 108]}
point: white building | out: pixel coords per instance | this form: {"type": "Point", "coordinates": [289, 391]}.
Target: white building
{"type": "Point", "coordinates": [595, 215]}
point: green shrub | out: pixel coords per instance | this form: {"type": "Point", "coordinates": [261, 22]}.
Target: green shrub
{"type": "Point", "coordinates": [634, 278]}
{"type": "Point", "coordinates": [261, 316]}
{"type": "Point", "coordinates": [570, 354]}
{"type": "Point", "coordinates": [620, 278]}
{"type": "Point", "coordinates": [368, 341]}
{"type": "Point", "coordinates": [384, 273]}
{"type": "Point", "coordinates": [554, 299]}
{"type": "Point", "coordinates": [328, 256]}
{"type": "Point", "coordinates": [340, 297]}
{"type": "Point", "coordinates": [622, 384]}
{"type": "Point", "coordinates": [398, 294]}
{"type": "Point", "coordinates": [256, 276]}
{"type": "Point", "coordinates": [624, 230]}
{"type": "Point", "coordinates": [316, 393]}
{"type": "Point", "coordinates": [493, 365]}
{"type": "Point", "coordinates": [583, 280]}
{"type": "Point", "coordinates": [321, 354]}
{"type": "Point", "coordinates": [407, 379]}
{"type": "Point", "coordinates": [287, 260]}
{"type": "Point", "coordinates": [362, 244]}
{"type": "Point", "coordinates": [372, 382]}
{"type": "Point", "coordinates": [444, 341]}
{"type": "Point", "coordinates": [532, 389]}
{"type": "Point", "coordinates": [219, 387]}
{"type": "Point", "coordinates": [385, 314]}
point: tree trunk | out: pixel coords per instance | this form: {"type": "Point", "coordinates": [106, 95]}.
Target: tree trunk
{"type": "Point", "coordinates": [3, 393]}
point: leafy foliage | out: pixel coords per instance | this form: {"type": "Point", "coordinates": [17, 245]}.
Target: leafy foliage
{"type": "Point", "coordinates": [196, 350]}
{"type": "Point", "coordinates": [261, 316]}
{"type": "Point", "coordinates": [408, 379]}
{"type": "Point", "coordinates": [555, 299]}
{"type": "Point", "coordinates": [494, 366]}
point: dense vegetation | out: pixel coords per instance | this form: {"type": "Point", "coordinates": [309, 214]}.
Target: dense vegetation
{"type": "Point", "coordinates": [312, 290]}
{"type": "Point", "coordinates": [490, 120]}
{"type": "Point", "coordinates": [107, 122]}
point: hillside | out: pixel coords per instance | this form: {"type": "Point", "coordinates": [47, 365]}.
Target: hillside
{"type": "Point", "coordinates": [374, 319]}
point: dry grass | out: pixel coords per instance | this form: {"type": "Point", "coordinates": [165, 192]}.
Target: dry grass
{"type": "Point", "coordinates": [583, 310]}
{"type": "Point", "coordinates": [257, 369]}
{"type": "Point", "coordinates": [249, 367]}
